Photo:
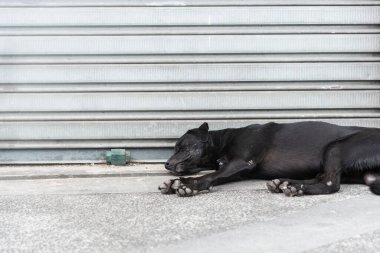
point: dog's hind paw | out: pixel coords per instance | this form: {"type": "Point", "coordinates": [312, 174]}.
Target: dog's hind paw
{"type": "Point", "coordinates": [273, 185]}
{"type": "Point", "coordinates": [291, 190]}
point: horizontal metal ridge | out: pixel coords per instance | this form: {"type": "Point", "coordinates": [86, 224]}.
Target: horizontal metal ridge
{"type": "Point", "coordinates": [149, 131]}
{"type": "Point", "coordinates": [174, 73]}
{"type": "Point", "coordinates": [187, 30]}
{"type": "Point", "coordinates": [190, 44]}
{"type": "Point", "coordinates": [80, 155]}
{"type": "Point", "coordinates": [189, 115]}
{"type": "Point", "coordinates": [148, 3]}
{"type": "Point", "coordinates": [157, 59]}
{"type": "Point", "coordinates": [81, 144]}
{"type": "Point", "coordinates": [187, 86]}
{"type": "Point", "coordinates": [195, 101]}
{"type": "Point", "coordinates": [184, 16]}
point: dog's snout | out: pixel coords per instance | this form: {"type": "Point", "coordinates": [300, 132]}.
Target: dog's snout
{"type": "Point", "coordinates": [169, 166]}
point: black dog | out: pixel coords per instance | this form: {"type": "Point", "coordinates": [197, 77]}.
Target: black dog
{"type": "Point", "coordinates": [317, 156]}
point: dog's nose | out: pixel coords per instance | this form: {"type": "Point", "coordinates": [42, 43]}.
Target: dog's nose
{"type": "Point", "coordinates": [168, 166]}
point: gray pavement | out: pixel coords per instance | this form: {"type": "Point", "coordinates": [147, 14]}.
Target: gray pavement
{"type": "Point", "coordinates": [118, 209]}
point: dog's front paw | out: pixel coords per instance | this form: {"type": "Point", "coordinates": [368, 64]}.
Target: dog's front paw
{"type": "Point", "coordinates": [177, 186]}
{"type": "Point", "coordinates": [183, 187]}
{"type": "Point", "coordinates": [291, 190]}
{"type": "Point", "coordinates": [185, 190]}
{"type": "Point", "coordinates": [169, 186]}
{"type": "Point", "coordinates": [186, 187]}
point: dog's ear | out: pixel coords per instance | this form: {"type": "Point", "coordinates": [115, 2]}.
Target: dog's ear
{"type": "Point", "coordinates": [204, 132]}
{"type": "Point", "coordinates": [204, 127]}
{"type": "Point", "coordinates": [201, 132]}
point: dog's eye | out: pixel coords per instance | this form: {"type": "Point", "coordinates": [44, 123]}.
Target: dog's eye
{"type": "Point", "coordinates": [179, 148]}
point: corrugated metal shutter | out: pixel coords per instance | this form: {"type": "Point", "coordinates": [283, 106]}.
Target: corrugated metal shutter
{"type": "Point", "coordinates": [81, 76]}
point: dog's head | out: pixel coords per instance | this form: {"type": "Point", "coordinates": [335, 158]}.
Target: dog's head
{"type": "Point", "coordinates": [190, 152]}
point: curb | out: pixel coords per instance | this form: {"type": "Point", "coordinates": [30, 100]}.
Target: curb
{"type": "Point", "coordinates": [35, 172]}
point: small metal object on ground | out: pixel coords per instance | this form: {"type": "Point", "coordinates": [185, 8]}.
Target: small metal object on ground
{"type": "Point", "coordinates": [118, 157]}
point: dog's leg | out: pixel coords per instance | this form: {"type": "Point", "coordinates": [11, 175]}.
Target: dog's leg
{"type": "Point", "coordinates": [185, 187]}
{"type": "Point", "coordinates": [326, 183]}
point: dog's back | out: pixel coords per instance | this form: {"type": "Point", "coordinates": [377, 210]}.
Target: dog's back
{"type": "Point", "coordinates": [296, 149]}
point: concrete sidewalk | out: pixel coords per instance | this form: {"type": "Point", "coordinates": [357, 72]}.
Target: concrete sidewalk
{"type": "Point", "coordinates": [100, 208]}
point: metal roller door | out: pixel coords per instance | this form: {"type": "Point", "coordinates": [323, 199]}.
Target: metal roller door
{"type": "Point", "coordinates": [78, 77]}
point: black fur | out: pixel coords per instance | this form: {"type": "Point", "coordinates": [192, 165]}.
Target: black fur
{"type": "Point", "coordinates": [307, 157]}
{"type": "Point", "coordinates": [375, 187]}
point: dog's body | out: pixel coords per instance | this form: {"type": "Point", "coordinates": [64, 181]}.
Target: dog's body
{"type": "Point", "coordinates": [317, 156]}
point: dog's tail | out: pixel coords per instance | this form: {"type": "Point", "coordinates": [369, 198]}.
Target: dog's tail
{"type": "Point", "coordinates": [375, 187]}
